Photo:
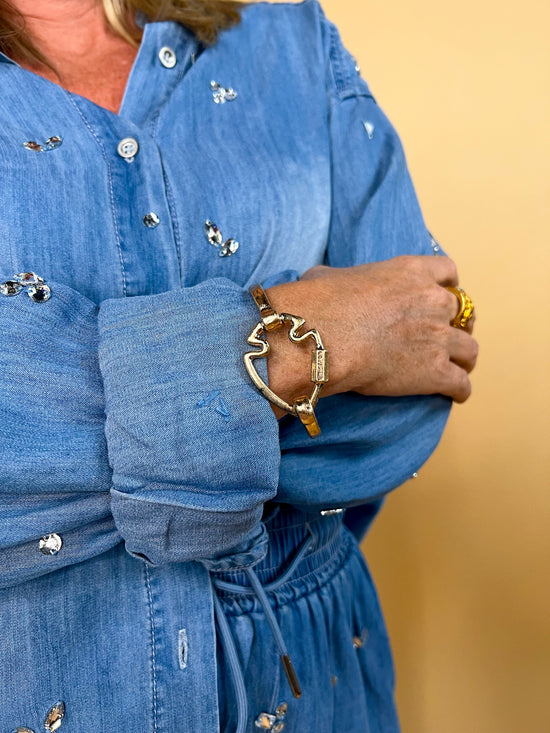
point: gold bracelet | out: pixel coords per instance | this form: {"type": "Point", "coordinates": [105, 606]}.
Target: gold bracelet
{"type": "Point", "coordinates": [302, 407]}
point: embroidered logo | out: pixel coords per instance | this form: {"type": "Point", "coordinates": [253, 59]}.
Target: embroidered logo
{"type": "Point", "coordinates": [214, 399]}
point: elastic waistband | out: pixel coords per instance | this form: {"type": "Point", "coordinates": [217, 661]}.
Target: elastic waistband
{"type": "Point", "coordinates": [289, 529]}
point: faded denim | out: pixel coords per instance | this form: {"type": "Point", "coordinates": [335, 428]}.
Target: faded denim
{"type": "Point", "coordinates": [130, 427]}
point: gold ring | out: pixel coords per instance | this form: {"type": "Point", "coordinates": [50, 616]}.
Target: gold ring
{"type": "Point", "coordinates": [465, 307]}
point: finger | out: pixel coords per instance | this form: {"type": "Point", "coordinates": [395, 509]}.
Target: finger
{"type": "Point", "coordinates": [463, 349]}
{"type": "Point", "coordinates": [442, 269]}
{"type": "Point", "coordinates": [456, 384]}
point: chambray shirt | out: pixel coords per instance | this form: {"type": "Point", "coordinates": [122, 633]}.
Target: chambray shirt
{"type": "Point", "coordinates": [129, 423]}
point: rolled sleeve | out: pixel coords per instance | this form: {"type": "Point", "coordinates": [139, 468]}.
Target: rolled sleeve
{"type": "Point", "coordinates": [193, 446]}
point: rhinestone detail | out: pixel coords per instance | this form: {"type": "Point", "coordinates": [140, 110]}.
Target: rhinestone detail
{"type": "Point", "coordinates": [369, 129]}
{"type": "Point", "coordinates": [35, 286]}
{"type": "Point", "coordinates": [265, 721]}
{"type": "Point", "coordinates": [10, 288]}
{"type": "Point", "coordinates": [215, 238]}
{"type": "Point", "coordinates": [151, 220]}
{"type": "Point", "coordinates": [51, 143]}
{"type": "Point", "coordinates": [22, 729]}
{"type": "Point", "coordinates": [229, 247]}
{"type": "Point", "coordinates": [220, 94]}
{"type": "Point", "coordinates": [39, 293]}
{"type": "Point", "coordinates": [331, 512]}
{"type": "Point", "coordinates": [29, 278]}
{"type": "Point", "coordinates": [50, 544]}
{"type": "Point", "coordinates": [273, 723]}
{"type": "Point", "coordinates": [55, 716]}
{"type": "Point", "coordinates": [435, 244]}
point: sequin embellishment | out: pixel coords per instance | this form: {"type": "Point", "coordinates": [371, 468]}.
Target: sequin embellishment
{"type": "Point", "coordinates": [51, 143]}
{"type": "Point", "coordinates": [36, 288]}
{"type": "Point", "coordinates": [220, 94]}
{"type": "Point", "coordinates": [369, 129]}
{"type": "Point", "coordinates": [435, 244]}
{"type": "Point", "coordinates": [22, 729]}
{"type": "Point", "coordinates": [215, 237]}
{"type": "Point", "coordinates": [55, 716]}
{"type": "Point", "coordinates": [50, 544]}
{"type": "Point", "coordinates": [274, 723]}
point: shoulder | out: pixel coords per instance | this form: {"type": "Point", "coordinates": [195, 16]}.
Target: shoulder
{"type": "Point", "coordinates": [301, 32]}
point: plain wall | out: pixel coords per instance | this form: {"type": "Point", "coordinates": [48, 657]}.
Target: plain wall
{"type": "Point", "coordinates": [461, 555]}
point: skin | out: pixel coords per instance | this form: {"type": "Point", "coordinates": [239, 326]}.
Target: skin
{"type": "Point", "coordinates": [386, 325]}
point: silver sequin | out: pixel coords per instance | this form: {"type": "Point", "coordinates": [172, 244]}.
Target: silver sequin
{"type": "Point", "coordinates": [35, 286]}
{"type": "Point", "coordinates": [265, 721]}
{"type": "Point", "coordinates": [220, 94]}
{"type": "Point", "coordinates": [331, 512]}
{"type": "Point", "coordinates": [28, 278]}
{"type": "Point", "coordinates": [39, 293]}
{"type": "Point", "coordinates": [369, 129]}
{"type": "Point", "coordinates": [151, 220]}
{"type": "Point", "coordinates": [436, 249]}
{"type": "Point", "coordinates": [229, 247]}
{"type": "Point", "coordinates": [215, 238]}
{"type": "Point", "coordinates": [10, 288]}
{"type": "Point", "coordinates": [50, 544]}
{"type": "Point", "coordinates": [273, 723]}
{"type": "Point", "coordinates": [54, 141]}
{"type": "Point", "coordinates": [213, 234]}
{"type": "Point", "coordinates": [22, 729]}
{"type": "Point", "coordinates": [55, 716]}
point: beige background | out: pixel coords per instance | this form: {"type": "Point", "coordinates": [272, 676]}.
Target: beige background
{"type": "Point", "coordinates": [461, 555]}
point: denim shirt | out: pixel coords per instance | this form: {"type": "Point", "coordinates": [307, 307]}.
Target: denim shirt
{"type": "Point", "coordinates": [127, 413]}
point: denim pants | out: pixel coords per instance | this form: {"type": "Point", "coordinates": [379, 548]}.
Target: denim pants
{"type": "Point", "coordinates": [123, 644]}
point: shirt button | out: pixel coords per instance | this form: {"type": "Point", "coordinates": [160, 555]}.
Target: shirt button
{"type": "Point", "coordinates": [127, 148]}
{"type": "Point", "coordinates": [151, 220]}
{"type": "Point", "coordinates": [50, 544]}
{"type": "Point", "coordinates": [167, 57]}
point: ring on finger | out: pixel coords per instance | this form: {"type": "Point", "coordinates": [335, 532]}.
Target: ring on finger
{"type": "Point", "coordinates": [465, 307]}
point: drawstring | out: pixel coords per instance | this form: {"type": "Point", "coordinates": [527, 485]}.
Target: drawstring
{"type": "Point", "coordinates": [234, 666]}
{"type": "Point", "coordinates": [228, 642]}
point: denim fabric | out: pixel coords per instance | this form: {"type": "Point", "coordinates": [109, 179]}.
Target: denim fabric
{"type": "Point", "coordinates": [129, 426]}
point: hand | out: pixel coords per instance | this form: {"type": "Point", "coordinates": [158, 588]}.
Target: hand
{"type": "Point", "coordinates": [386, 326]}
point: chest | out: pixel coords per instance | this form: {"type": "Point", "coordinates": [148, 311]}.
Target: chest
{"type": "Point", "coordinates": [120, 206]}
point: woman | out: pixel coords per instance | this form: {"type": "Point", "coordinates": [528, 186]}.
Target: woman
{"type": "Point", "coordinates": [167, 546]}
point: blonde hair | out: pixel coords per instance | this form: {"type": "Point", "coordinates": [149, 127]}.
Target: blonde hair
{"type": "Point", "coordinates": [205, 18]}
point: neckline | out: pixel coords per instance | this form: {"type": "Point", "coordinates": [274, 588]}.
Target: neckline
{"type": "Point", "coordinates": [161, 33]}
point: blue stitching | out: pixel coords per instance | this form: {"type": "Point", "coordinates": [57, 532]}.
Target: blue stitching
{"type": "Point", "coordinates": [153, 645]}
{"type": "Point", "coordinates": [221, 408]}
